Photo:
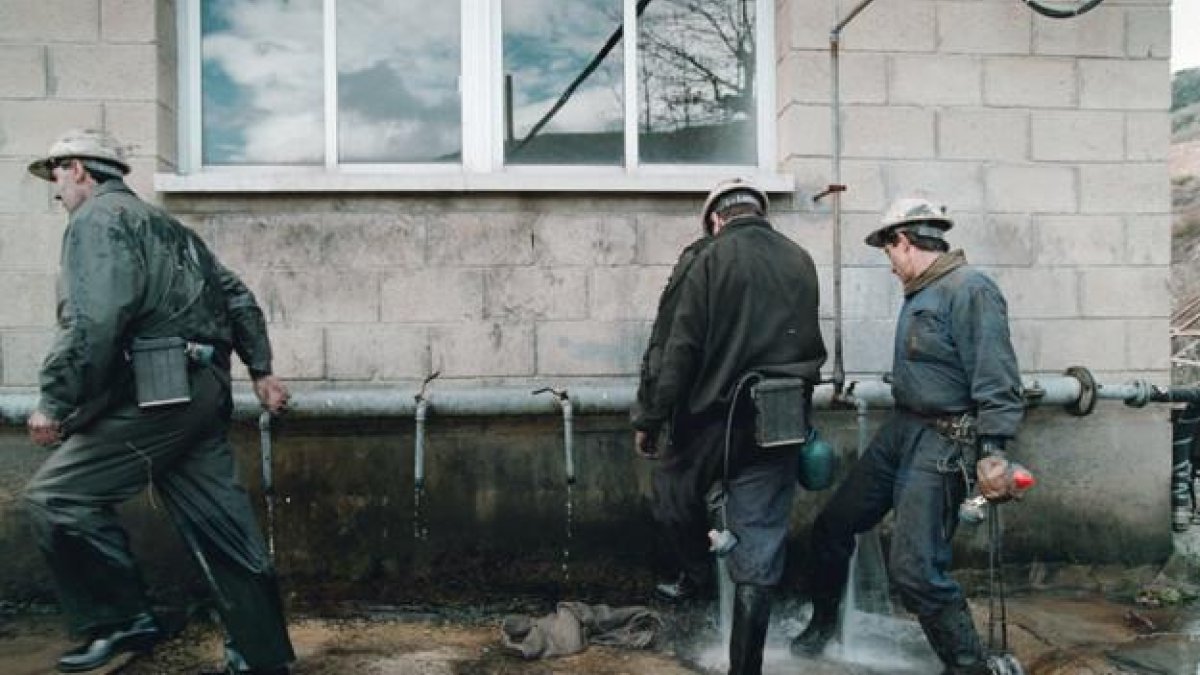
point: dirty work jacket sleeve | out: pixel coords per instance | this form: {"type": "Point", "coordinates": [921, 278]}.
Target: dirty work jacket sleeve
{"type": "Point", "coordinates": [250, 338]}
{"type": "Point", "coordinates": [100, 286]}
{"type": "Point", "coordinates": [979, 321]}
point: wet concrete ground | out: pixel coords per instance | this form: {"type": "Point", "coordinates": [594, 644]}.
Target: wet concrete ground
{"type": "Point", "coordinates": [1053, 633]}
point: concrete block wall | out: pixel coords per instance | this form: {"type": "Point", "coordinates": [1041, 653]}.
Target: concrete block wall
{"type": "Point", "coordinates": [1043, 137]}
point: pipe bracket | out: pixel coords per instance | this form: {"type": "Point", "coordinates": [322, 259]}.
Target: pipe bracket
{"type": "Point", "coordinates": [1086, 403]}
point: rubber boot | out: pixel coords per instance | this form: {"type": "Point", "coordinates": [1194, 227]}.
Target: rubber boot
{"type": "Point", "coordinates": [751, 613]}
{"type": "Point", "coordinates": [952, 634]}
{"type": "Point", "coordinates": [820, 629]}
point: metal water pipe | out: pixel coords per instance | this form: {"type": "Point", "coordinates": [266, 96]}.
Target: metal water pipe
{"type": "Point", "coordinates": [568, 416]}
{"type": "Point", "coordinates": [419, 415]}
{"type": "Point", "coordinates": [267, 456]}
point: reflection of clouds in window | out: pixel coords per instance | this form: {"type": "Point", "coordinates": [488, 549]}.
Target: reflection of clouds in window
{"type": "Point", "coordinates": [262, 80]}
{"type": "Point", "coordinates": [547, 45]}
{"type": "Point", "coordinates": [398, 68]}
{"type": "Point", "coordinates": [696, 81]}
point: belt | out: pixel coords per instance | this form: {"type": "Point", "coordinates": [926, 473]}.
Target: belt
{"type": "Point", "coordinates": [957, 427]}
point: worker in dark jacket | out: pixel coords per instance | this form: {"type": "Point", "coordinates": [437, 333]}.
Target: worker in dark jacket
{"type": "Point", "coordinates": [139, 292]}
{"type": "Point", "coordinates": [958, 401]}
{"type": "Point", "coordinates": [681, 558]}
{"type": "Point", "coordinates": [747, 304]}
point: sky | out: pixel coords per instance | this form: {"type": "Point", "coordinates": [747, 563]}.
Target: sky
{"type": "Point", "coordinates": [1185, 34]}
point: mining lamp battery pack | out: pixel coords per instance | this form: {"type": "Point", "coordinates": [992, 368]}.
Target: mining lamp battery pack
{"type": "Point", "coordinates": [781, 411]}
{"type": "Point", "coordinates": [160, 371]}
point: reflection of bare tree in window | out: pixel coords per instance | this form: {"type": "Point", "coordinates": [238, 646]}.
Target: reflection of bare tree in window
{"type": "Point", "coordinates": [697, 63]}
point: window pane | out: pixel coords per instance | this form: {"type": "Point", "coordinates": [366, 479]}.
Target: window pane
{"type": "Point", "coordinates": [696, 82]}
{"type": "Point", "coordinates": [398, 69]}
{"type": "Point", "coordinates": [563, 69]}
{"type": "Point", "coordinates": [261, 82]}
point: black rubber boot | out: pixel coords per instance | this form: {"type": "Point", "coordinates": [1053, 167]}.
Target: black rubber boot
{"type": "Point", "coordinates": [751, 613]}
{"type": "Point", "coordinates": [137, 635]}
{"type": "Point", "coordinates": [951, 633]}
{"type": "Point", "coordinates": [820, 629]}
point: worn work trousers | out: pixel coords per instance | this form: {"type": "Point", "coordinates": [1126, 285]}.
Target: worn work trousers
{"type": "Point", "coordinates": [762, 485]}
{"type": "Point", "coordinates": [184, 453]}
{"type": "Point", "coordinates": [911, 468]}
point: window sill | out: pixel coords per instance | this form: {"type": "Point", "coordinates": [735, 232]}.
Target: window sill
{"type": "Point", "coordinates": [540, 179]}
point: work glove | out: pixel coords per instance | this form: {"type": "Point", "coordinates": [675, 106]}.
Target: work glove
{"type": "Point", "coordinates": [993, 471]}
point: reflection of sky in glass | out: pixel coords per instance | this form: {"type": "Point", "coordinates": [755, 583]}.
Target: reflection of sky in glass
{"type": "Point", "coordinates": [262, 82]}
{"type": "Point", "coordinates": [398, 69]}
{"type": "Point", "coordinates": [547, 44]}
{"type": "Point", "coordinates": [696, 82]}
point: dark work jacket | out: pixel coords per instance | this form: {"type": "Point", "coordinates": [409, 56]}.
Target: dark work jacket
{"type": "Point", "coordinates": [128, 269]}
{"type": "Point", "coordinates": [748, 302]}
{"type": "Point", "coordinates": [661, 330]}
{"type": "Point", "coordinates": [953, 353]}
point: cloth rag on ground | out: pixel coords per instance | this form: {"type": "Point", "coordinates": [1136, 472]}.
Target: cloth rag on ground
{"type": "Point", "coordinates": [575, 625]}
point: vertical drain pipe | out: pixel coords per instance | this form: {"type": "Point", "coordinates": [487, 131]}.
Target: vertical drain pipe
{"type": "Point", "coordinates": [268, 477]}
{"type": "Point", "coordinates": [420, 414]}
{"type": "Point", "coordinates": [568, 414]}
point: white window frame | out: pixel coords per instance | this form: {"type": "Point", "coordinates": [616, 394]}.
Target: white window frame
{"type": "Point", "coordinates": [482, 167]}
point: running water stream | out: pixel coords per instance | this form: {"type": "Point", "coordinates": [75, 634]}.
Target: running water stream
{"type": "Point", "coordinates": [566, 551]}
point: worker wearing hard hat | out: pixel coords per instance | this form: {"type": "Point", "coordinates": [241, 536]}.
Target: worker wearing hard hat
{"type": "Point", "coordinates": [958, 401]}
{"type": "Point", "coordinates": [136, 390]}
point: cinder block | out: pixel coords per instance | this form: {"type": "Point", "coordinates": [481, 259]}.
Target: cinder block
{"type": "Point", "coordinates": [1125, 292]}
{"type": "Point", "coordinates": [662, 237]}
{"type": "Point", "coordinates": [441, 294]}
{"type": "Point", "coordinates": [1079, 240]}
{"type": "Point", "coordinates": [563, 238]}
{"type": "Point", "coordinates": [23, 353]}
{"type": "Point", "coordinates": [591, 348]}
{"type": "Point", "coordinates": [983, 133]}
{"type": "Point", "coordinates": [804, 78]}
{"type": "Point", "coordinates": [626, 293]}
{"type": "Point", "coordinates": [134, 124]}
{"type": "Point", "coordinates": [1147, 135]}
{"type": "Point", "coordinates": [30, 299]}
{"type": "Point", "coordinates": [1029, 82]}
{"type": "Point", "coordinates": [166, 125]}
{"type": "Point", "coordinates": [957, 185]}
{"type": "Point", "coordinates": [102, 71]}
{"type": "Point", "coordinates": [31, 242]}
{"type": "Point", "coordinates": [359, 240]}
{"type": "Point", "coordinates": [536, 293]}
{"type": "Point", "coordinates": [1077, 135]}
{"type": "Point", "coordinates": [1148, 240]}
{"type": "Point", "coordinates": [867, 292]}
{"type": "Point", "coordinates": [1026, 337]}
{"type": "Point", "coordinates": [1148, 32]}
{"type": "Point", "coordinates": [127, 20]}
{"type": "Point", "coordinates": [1038, 292]}
{"type": "Point", "coordinates": [994, 239]}
{"type": "Point", "coordinates": [889, 27]}
{"type": "Point", "coordinates": [1061, 343]}
{"type": "Point", "coordinates": [24, 72]}
{"type": "Point", "coordinates": [867, 345]}
{"type": "Point", "coordinates": [22, 193]}
{"type": "Point", "coordinates": [1149, 344]}
{"type": "Point", "coordinates": [888, 132]}
{"type": "Point", "coordinates": [935, 80]}
{"type": "Point", "coordinates": [297, 353]}
{"type": "Point", "coordinates": [1124, 188]}
{"type": "Point", "coordinates": [28, 128]}
{"type": "Point", "coordinates": [1114, 84]}
{"type": "Point", "coordinates": [984, 28]}
{"type": "Point", "coordinates": [141, 177]}
{"type": "Point", "coordinates": [49, 20]}
{"type": "Point", "coordinates": [1100, 32]}
{"type": "Point", "coordinates": [812, 231]}
{"type": "Point", "coordinates": [803, 25]}
{"type": "Point", "coordinates": [855, 228]}
{"type": "Point", "coordinates": [317, 296]}
{"type": "Point", "coordinates": [378, 352]}
{"type": "Point", "coordinates": [863, 180]}
{"type": "Point", "coordinates": [1029, 188]}
{"type": "Point", "coordinates": [488, 349]}
{"type": "Point", "coordinates": [805, 130]}
{"type": "Point", "coordinates": [481, 239]}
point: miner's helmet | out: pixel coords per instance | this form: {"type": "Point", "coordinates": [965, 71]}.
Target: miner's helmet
{"type": "Point", "coordinates": [914, 215]}
{"type": "Point", "coordinates": [99, 150]}
{"type": "Point", "coordinates": [730, 192]}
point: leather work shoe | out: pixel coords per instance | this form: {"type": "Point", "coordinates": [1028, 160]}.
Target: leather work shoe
{"type": "Point", "coordinates": [138, 635]}
{"type": "Point", "coordinates": [235, 664]}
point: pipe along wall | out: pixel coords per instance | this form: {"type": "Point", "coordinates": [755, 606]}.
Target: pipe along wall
{"type": "Point", "coordinates": [498, 516]}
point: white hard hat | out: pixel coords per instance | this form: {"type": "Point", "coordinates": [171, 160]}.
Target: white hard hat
{"type": "Point", "coordinates": [911, 214]}
{"type": "Point", "coordinates": [81, 144]}
{"type": "Point", "coordinates": [730, 192]}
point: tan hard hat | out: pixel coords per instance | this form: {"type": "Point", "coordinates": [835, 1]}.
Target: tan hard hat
{"type": "Point", "coordinates": [911, 214]}
{"type": "Point", "coordinates": [81, 144]}
{"type": "Point", "coordinates": [753, 194]}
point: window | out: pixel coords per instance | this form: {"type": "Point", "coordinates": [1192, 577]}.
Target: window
{"type": "Point", "coordinates": [462, 94]}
